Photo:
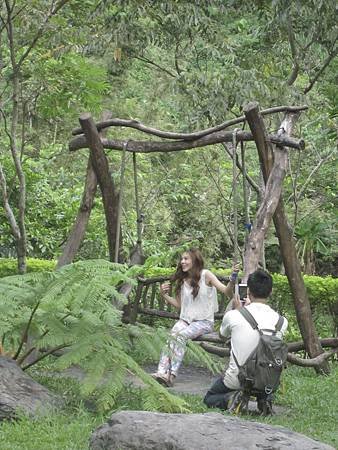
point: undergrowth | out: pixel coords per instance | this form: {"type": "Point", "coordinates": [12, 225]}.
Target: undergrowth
{"type": "Point", "coordinates": [309, 402]}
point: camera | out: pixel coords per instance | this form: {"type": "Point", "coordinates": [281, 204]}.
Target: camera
{"type": "Point", "coordinates": [243, 291]}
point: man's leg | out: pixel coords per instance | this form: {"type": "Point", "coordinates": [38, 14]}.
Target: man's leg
{"type": "Point", "coordinates": [218, 395]}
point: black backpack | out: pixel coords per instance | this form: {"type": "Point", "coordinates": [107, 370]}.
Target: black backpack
{"type": "Point", "coordinates": [262, 370]}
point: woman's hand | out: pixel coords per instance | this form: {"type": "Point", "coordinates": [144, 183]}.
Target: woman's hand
{"type": "Point", "coordinates": [164, 291]}
{"type": "Point", "coordinates": [234, 274]}
{"type": "Point", "coordinates": [165, 288]}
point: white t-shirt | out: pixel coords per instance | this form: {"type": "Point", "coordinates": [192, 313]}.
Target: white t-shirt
{"type": "Point", "coordinates": [202, 307]}
{"type": "Point", "coordinates": [244, 338]}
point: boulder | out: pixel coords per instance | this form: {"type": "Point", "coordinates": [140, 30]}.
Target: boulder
{"type": "Point", "coordinates": [19, 393]}
{"type": "Point", "coordinates": [138, 430]}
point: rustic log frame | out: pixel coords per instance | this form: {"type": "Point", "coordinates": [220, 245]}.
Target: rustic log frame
{"type": "Point", "coordinates": [75, 238]}
{"type": "Point", "coordinates": [203, 138]}
{"type": "Point", "coordinates": [137, 125]}
{"type": "Point", "coordinates": [274, 182]}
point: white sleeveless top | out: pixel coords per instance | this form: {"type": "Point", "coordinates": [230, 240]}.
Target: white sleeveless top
{"type": "Point", "coordinates": [202, 307]}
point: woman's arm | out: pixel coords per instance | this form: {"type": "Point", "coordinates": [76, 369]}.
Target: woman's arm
{"type": "Point", "coordinates": [164, 289]}
{"type": "Point", "coordinates": [212, 280]}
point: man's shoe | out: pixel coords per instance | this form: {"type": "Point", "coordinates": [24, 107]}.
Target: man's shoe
{"type": "Point", "coordinates": [238, 403]}
{"type": "Point", "coordinates": [265, 407]}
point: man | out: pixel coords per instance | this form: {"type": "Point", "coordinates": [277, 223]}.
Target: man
{"type": "Point", "coordinates": [244, 338]}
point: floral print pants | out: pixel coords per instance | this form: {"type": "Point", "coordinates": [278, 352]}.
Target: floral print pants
{"type": "Point", "coordinates": [172, 355]}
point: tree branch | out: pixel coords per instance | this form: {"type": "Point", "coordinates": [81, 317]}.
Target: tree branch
{"type": "Point", "coordinates": [52, 350]}
{"type": "Point", "coordinates": [40, 31]}
{"type": "Point", "coordinates": [309, 178]}
{"type": "Point", "coordinates": [331, 56]}
{"type": "Point", "coordinates": [163, 146]}
{"type": "Point", "coordinates": [185, 136]}
{"type": "Point", "coordinates": [25, 333]}
{"type": "Point", "coordinates": [291, 36]}
{"type": "Point", "coordinates": [311, 362]}
{"type": "Point", "coordinates": [152, 63]}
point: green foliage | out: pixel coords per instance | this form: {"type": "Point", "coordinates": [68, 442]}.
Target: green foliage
{"type": "Point", "coordinates": [8, 266]}
{"type": "Point", "coordinates": [75, 308]}
{"type": "Point", "coordinates": [322, 291]}
{"type": "Point", "coordinates": [176, 66]}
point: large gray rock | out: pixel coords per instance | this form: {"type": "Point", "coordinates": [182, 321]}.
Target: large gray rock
{"type": "Point", "coordinates": [138, 430]}
{"type": "Point", "coordinates": [20, 393]}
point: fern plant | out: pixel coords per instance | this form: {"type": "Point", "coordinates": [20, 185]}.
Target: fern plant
{"type": "Point", "coordinates": [75, 308]}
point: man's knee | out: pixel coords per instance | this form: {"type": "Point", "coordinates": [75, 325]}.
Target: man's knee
{"type": "Point", "coordinates": [208, 400]}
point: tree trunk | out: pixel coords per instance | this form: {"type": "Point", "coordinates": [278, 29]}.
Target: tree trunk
{"type": "Point", "coordinates": [101, 167]}
{"type": "Point", "coordinates": [273, 188]}
{"type": "Point", "coordinates": [79, 228]}
{"type": "Point", "coordinates": [293, 272]}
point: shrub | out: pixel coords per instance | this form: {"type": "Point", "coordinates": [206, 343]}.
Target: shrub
{"type": "Point", "coordinates": [8, 266]}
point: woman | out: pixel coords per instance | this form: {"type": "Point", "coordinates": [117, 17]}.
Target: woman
{"type": "Point", "coordinates": [196, 297]}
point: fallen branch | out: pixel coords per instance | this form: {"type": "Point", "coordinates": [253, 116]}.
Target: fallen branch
{"type": "Point", "coordinates": [326, 342]}
{"type": "Point", "coordinates": [311, 362]}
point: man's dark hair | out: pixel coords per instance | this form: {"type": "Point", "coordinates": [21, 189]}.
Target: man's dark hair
{"type": "Point", "coordinates": [260, 283]}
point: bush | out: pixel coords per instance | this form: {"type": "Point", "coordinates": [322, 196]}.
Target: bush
{"type": "Point", "coordinates": [8, 266]}
{"type": "Point", "coordinates": [322, 291]}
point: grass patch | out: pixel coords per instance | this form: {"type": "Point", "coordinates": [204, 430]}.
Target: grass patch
{"type": "Point", "coordinates": [311, 402]}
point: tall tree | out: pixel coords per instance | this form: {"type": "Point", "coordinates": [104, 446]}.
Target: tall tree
{"type": "Point", "coordinates": [11, 18]}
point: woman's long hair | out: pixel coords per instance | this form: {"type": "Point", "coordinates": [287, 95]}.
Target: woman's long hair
{"type": "Point", "coordinates": [196, 269]}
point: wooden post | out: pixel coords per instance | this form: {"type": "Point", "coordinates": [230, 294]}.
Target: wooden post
{"type": "Point", "coordinates": [101, 167]}
{"type": "Point", "coordinates": [272, 190]}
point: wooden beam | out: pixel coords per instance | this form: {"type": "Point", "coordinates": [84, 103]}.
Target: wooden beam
{"type": "Point", "coordinates": [175, 146]}
{"type": "Point", "coordinates": [137, 125]}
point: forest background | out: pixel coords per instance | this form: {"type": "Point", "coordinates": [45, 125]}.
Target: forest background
{"type": "Point", "coordinates": [177, 66]}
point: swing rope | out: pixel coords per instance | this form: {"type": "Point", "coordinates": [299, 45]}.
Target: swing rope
{"type": "Point", "coordinates": [245, 194]}
{"type": "Point", "coordinates": [234, 195]}
{"type": "Point", "coordinates": [119, 208]}
{"type": "Point", "coordinates": [137, 205]}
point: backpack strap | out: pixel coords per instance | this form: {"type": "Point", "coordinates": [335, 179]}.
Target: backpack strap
{"type": "Point", "coordinates": [249, 318]}
{"type": "Point", "coordinates": [279, 324]}
{"type": "Point", "coordinates": [252, 321]}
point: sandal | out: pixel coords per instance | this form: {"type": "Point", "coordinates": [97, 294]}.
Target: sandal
{"type": "Point", "coordinates": [162, 379]}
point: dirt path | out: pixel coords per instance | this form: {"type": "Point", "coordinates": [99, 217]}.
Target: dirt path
{"type": "Point", "coordinates": [190, 380]}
